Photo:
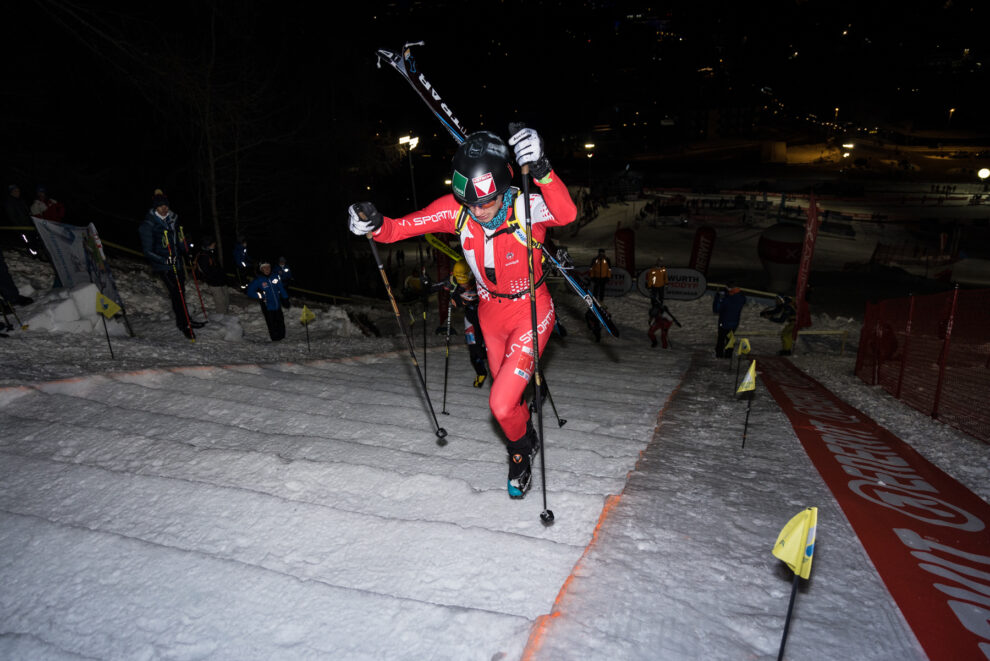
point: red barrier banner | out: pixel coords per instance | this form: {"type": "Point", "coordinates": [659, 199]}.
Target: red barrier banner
{"type": "Point", "coordinates": [625, 249]}
{"type": "Point", "coordinates": [701, 251]}
{"type": "Point", "coordinates": [926, 533]}
{"type": "Point", "coordinates": [804, 270]}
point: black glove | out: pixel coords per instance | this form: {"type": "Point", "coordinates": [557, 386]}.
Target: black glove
{"type": "Point", "coordinates": [286, 303]}
{"type": "Point", "coordinates": [455, 297]}
{"type": "Point", "coordinates": [364, 218]}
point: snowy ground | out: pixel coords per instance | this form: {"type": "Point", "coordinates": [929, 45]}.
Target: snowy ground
{"type": "Point", "coordinates": [238, 499]}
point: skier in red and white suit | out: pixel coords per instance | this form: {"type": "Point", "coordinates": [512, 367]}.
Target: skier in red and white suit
{"type": "Point", "coordinates": [486, 212]}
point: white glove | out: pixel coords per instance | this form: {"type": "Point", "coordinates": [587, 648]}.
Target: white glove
{"type": "Point", "coordinates": [528, 146]}
{"type": "Point", "coordinates": [372, 219]}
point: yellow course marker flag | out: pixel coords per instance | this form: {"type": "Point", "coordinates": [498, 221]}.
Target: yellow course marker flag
{"type": "Point", "coordinates": [306, 316]}
{"type": "Point", "coordinates": [106, 306]}
{"type": "Point", "coordinates": [749, 381]}
{"type": "Point", "coordinates": [796, 542]}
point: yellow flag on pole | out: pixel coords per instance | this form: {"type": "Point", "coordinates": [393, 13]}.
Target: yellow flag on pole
{"type": "Point", "coordinates": [306, 316]}
{"type": "Point", "coordinates": [731, 340]}
{"type": "Point", "coordinates": [749, 381]}
{"type": "Point", "coordinates": [743, 346]}
{"type": "Point", "coordinates": [106, 306]}
{"type": "Point", "coordinates": [796, 542]}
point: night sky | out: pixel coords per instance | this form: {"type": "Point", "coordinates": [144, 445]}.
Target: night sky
{"type": "Point", "coordinates": [103, 102]}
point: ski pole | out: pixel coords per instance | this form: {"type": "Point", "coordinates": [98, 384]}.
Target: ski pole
{"type": "Point", "coordinates": [440, 432]}
{"type": "Point", "coordinates": [546, 516]}
{"type": "Point", "coordinates": [426, 300]}
{"type": "Point", "coordinates": [178, 285]}
{"type": "Point", "coordinates": [13, 312]}
{"type": "Point", "coordinates": [560, 421]}
{"type": "Point", "coordinates": [545, 394]}
{"type": "Point", "coordinates": [192, 267]}
{"type": "Point", "coordinates": [446, 360]}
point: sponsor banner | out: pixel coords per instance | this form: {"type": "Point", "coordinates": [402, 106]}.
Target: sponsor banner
{"type": "Point", "coordinates": [701, 251]}
{"type": "Point", "coordinates": [682, 284]}
{"type": "Point", "coordinates": [926, 533]}
{"type": "Point", "coordinates": [620, 284]}
{"type": "Point", "coordinates": [77, 256]}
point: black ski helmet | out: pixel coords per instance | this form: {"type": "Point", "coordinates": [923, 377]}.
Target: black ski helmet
{"type": "Point", "coordinates": [481, 169]}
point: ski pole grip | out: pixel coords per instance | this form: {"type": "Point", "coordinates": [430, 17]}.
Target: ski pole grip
{"type": "Point", "coordinates": [516, 127]}
{"type": "Point", "coordinates": [364, 216]}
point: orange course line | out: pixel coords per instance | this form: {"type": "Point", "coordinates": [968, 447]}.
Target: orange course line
{"type": "Point", "coordinates": [543, 622]}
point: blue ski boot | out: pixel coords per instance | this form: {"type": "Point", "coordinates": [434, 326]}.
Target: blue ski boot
{"type": "Point", "coordinates": [521, 456]}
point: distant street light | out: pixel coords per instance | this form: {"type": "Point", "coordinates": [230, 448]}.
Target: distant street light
{"type": "Point", "coordinates": [951, 112]}
{"type": "Point", "coordinates": [589, 147]}
{"type": "Point", "coordinates": [983, 173]}
{"type": "Point", "coordinates": [411, 141]}
{"type": "Point", "coordinates": [837, 114]}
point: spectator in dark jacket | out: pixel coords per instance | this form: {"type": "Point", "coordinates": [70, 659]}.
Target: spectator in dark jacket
{"type": "Point", "coordinates": [242, 262]}
{"type": "Point", "coordinates": [210, 271]}
{"type": "Point", "coordinates": [727, 304]}
{"type": "Point", "coordinates": [162, 248]}
{"type": "Point", "coordinates": [268, 289]}
{"type": "Point", "coordinates": [9, 291]}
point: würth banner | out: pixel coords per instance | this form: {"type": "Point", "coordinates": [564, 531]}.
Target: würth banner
{"type": "Point", "coordinates": [925, 532]}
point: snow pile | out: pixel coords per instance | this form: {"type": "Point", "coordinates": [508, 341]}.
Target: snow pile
{"type": "Point", "coordinates": [70, 311]}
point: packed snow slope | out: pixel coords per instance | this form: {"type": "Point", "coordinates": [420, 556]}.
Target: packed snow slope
{"type": "Point", "coordinates": [239, 499]}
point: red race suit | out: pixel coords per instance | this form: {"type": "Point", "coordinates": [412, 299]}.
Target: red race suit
{"type": "Point", "coordinates": [504, 306]}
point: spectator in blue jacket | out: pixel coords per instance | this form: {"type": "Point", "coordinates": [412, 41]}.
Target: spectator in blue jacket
{"type": "Point", "coordinates": [727, 304]}
{"type": "Point", "coordinates": [267, 288]}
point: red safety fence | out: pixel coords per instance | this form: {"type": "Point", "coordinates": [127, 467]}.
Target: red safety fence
{"type": "Point", "coordinates": [933, 353]}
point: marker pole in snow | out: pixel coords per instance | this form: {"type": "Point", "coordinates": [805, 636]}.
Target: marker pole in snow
{"type": "Point", "coordinates": [749, 407]}
{"type": "Point", "coordinates": [787, 620]}
{"type": "Point", "coordinates": [446, 360]}
{"type": "Point", "coordinates": [106, 331]}
{"type": "Point", "coordinates": [546, 516]}
{"type": "Point", "coordinates": [440, 432]}
{"type": "Point", "coordinates": [178, 285]}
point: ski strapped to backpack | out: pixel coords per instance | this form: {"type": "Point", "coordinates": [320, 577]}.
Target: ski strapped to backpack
{"type": "Point", "coordinates": [405, 65]}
